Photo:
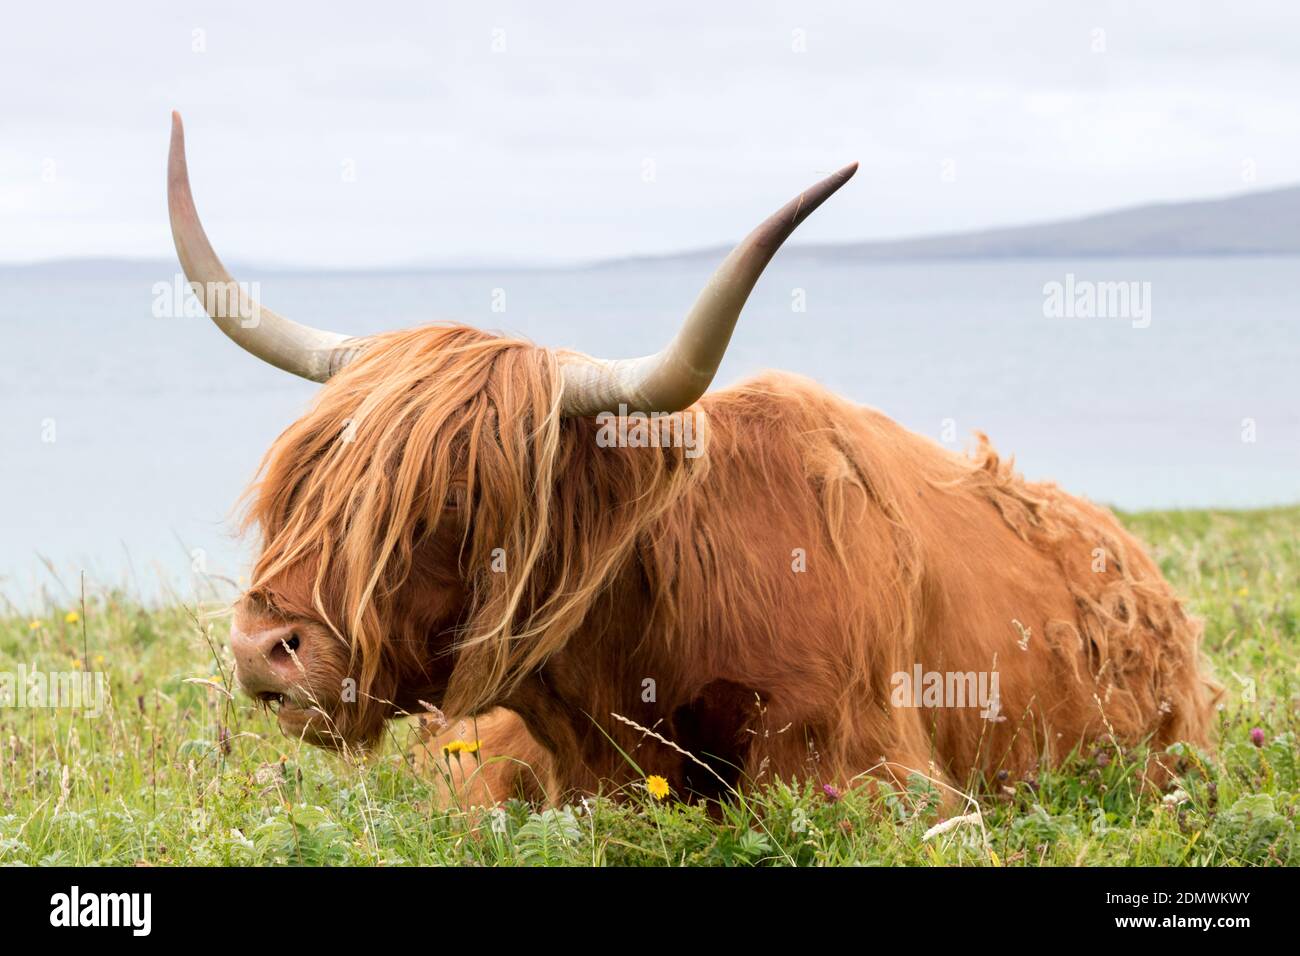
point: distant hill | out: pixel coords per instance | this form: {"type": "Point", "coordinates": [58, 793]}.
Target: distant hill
{"type": "Point", "coordinates": [1253, 224]}
{"type": "Point", "coordinates": [97, 268]}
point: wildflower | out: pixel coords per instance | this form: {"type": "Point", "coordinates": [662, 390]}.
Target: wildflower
{"type": "Point", "coordinates": [460, 747]}
{"type": "Point", "coordinates": [832, 794]}
{"type": "Point", "coordinates": [656, 786]}
{"type": "Point", "coordinates": [77, 664]}
{"type": "Point", "coordinates": [72, 617]}
{"type": "Point", "coordinates": [33, 625]}
{"type": "Point", "coordinates": [1243, 592]}
{"type": "Point", "coordinates": [99, 660]}
{"type": "Point", "coordinates": [1257, 736]}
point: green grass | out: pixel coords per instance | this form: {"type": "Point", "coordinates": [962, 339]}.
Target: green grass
{"type": "Point", "coordinates": [175, 772]}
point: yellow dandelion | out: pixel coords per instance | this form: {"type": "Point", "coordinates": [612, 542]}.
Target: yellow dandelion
{"type": "Point", "coordinates": [656, 786]}
{"type": "Point", "coordinates": [471, 746]}
{"type": "Point", "coordinates": [99, 660]}
{"type": "Point", "coordinates": [77, 664]}
{"type": "Point", "coordinates": [72, 617]}
{"type": "Point", "coordinates": [33, 625]}
{"type": "Point", "coordinates": [1243, 592]}
{"type": "Point", "coordinates": [453, 747]}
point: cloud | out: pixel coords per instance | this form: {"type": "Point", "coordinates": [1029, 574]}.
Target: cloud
{"type": "Point", "coordinates": [596, 129]}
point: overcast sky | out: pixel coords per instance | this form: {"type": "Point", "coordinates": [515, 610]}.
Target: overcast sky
{"type": "Point", "coordinates": [358, 134]}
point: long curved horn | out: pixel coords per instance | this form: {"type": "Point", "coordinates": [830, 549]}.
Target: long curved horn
{"type": "Point", "coordinates": [674, 378]}
{"type": "Point", "coordinates": [300, 349]}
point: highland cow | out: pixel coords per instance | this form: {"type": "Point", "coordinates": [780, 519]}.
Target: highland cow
{"type": "Point", "coordinates": [444, 529]}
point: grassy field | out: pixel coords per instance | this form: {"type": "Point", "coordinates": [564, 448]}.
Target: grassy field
{"type": "Point", "coordinates": [175, 771]}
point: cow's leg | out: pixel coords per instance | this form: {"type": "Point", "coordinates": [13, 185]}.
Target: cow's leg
{"type": "Point", "coordinates": [507, 761]}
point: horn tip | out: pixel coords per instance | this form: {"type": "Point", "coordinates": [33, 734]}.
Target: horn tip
{"type": "Point", "coordinates": [177, 174]}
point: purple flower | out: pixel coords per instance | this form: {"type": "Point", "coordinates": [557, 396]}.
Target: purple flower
{"type": "Point", "coordinates": [1257, 736]}
{"type": "Point", "coordinates": [831, 793]}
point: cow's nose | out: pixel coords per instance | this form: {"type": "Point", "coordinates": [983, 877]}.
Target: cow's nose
{"type": "Point", "coordinates": [267, 662]}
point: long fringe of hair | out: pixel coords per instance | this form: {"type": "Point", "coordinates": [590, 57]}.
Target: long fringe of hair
{"type": "Point", "coordinates": [424, 418]}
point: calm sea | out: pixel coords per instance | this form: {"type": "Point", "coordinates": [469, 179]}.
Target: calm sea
{"type": "Point", "coordinates": [127, 438]}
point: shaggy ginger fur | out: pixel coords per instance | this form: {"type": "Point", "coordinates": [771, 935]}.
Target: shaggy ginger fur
{"type": "Point", "coordinates": [465, 546]}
